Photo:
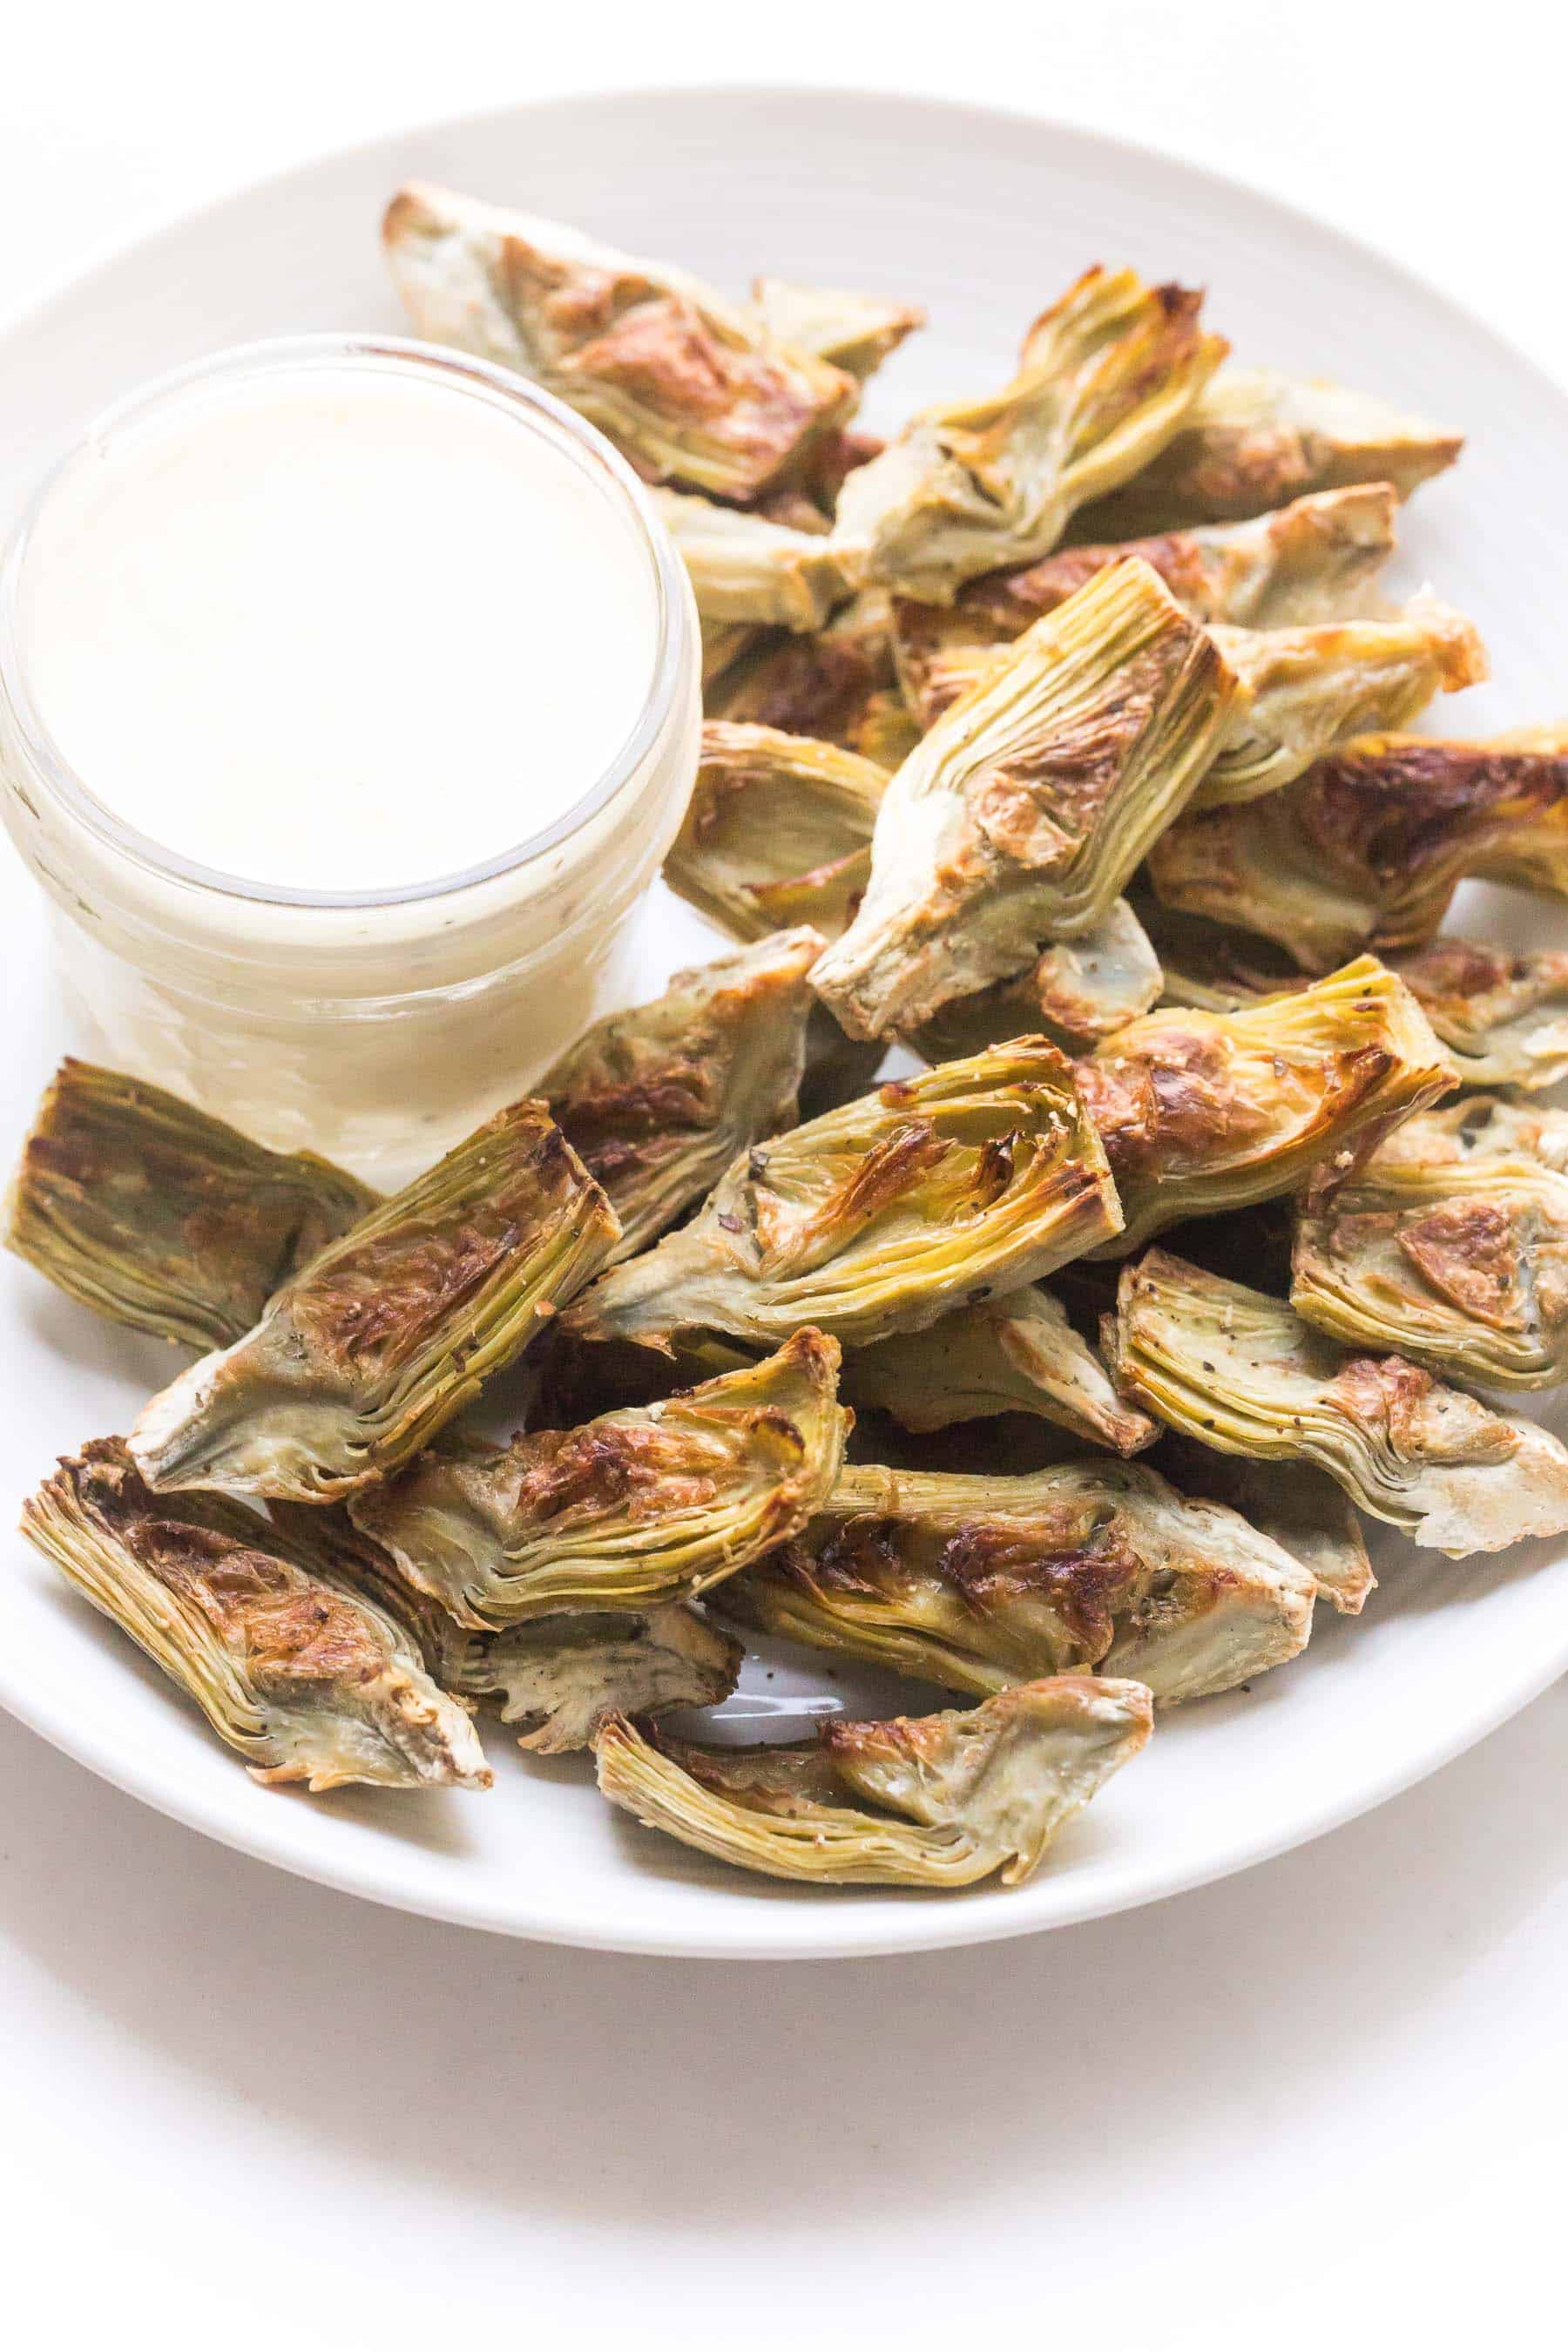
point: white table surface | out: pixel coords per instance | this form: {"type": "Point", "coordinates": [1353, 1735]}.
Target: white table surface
{"type": "Point", "coordinates": [1324, 2096]}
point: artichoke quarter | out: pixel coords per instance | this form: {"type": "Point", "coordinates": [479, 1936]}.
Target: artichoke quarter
{"type": "Point", "coordinates": [1016, 1354]}
{"type": "Point", "coordinates": [557, 1678]}
{"type": "Point", "coordinates": [1298, 1506]}
{"type": "Point", "coordinates": [853, 332]}
{"type": "Point", "coordinates": [1021, 816]}
{"type": "Point", "coordinates": [943, 1189]}
{"type": "Point", "coordinates": [835, 683]}
{"type": "Point", "coordinates": [979, 1582]}
{"type": "Point", "coordinates": [1106, 377]}
{"type": "Point", "coordinates": [1255, 437]}
{"type": "Point", "coordinates": [1313, 688]}
{"type": "Point", "coordinates": [1315, 560]}
{"type": "Point", "coordinates": [305, 1678]}
{"type": "Point", "coordinates": [778, 830]}
{"type": "Point", "coordinates": [1463, 1269]}
{"type": "Point", "coordinates": [645, 1503]}
{"type": "Point", "coordinates": [1367, 847]}
{"type": "Point", "coordinates": [657, 1101]}
{"type": "Point", "coordinates": [365, 1354]}
{"type": "Point", "coordinates": [1244, 1374]}
{"type": "Point", "coordinates": [924, 1800]}
{"type": "Point", "coordinates": [145, 1208]}
{"type": "Point", "coordinates": [1201, 1112]}
{"type": "Point", "coordinates": [744, 568]}
{"type": "Point", "coordinates": [687, 386]}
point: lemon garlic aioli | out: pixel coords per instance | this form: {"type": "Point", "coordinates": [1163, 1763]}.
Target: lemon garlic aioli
{"type": "Point", "coordinates": [350, 699]}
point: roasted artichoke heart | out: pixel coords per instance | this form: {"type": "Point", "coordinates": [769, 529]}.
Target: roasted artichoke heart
{"type": "Point", "coordinates": [923, 1801]}
{"type": "Point", "coordinates": [1313, 688]}
{"type": "Point", "coordinates": [744, 568]}
{"type": "Point", "coordinates": [1017, 1354]}
{"type": "Point", "coordinates": [558, 1677]}
{"type": "Point", "coordinates": [1243, 1373]}
{"type": "Point", "coordinates": [689, 387]}
{"type": "Point", "coordinates": [1254, 438]}
{"type": "Point", "coordinates": [1316, 559]}
{"type": "Point", "coordinates": [965, 1181]}
{"type": "Point", "coordinates": [975, 1583]}
{"type": "Point", "coordinates": [853, 332]}
{"type": "Point", "coordinates": [363, 1356]}
{"type": "Point", "coordinates": [647, 1504]}
{"type": "Point", "coordinates": [778, 830]}
{"type": "Point", "coordinates": [1204, 1111]}
{"type": "Point", "coordinates": [1367, 847]}
{"type": "Point", "coordinates": [307, 1678]}
{"type": "Point", "coordinates": [1020, 816]}
{"type": "Point", "coordinates": [1106, 377]}
{"type": "Point", "coordinates": [1463, 1269]}
{"type": "Point", "coordinates": [144, 1208]}
{"type": "Point", "coordinates": [1298, 1506]}
{"type": "Point", "coordinates": [657, 1102]}
{"type": "Point", "coordinates": [1081, 991]}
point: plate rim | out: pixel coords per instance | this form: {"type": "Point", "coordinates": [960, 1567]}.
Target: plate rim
{"type": "Point", "coordinates": [746, 1936]}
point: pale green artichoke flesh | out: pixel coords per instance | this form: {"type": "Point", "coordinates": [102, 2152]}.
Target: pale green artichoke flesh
{"type": "Point", "coordinates": [689, 387]}
{"type": "Point", "coordinates": [365, 1355]}
{"type": "Point", "coordinates": [156, 1215]}
{"type": "Point", "coordinates": [1244, 1374]}
{"type": "Point", "coordinates": [975, 1583]}
{"type": "Point", "coordinates": [963, 1182]}
{"type": "Point", "coordinates": [934, 1801]}
{"type": "Point", "coordinates": [305, 1678]}
{"type": "Point", "coordinates": [643, 1504]}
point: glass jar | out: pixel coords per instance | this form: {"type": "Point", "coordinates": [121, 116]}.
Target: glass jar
{"type": "Point", "coordinates": [376, 1027]}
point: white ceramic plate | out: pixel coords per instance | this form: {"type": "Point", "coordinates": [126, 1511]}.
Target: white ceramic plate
{"type": "Point", "coordinates": [982, 217]}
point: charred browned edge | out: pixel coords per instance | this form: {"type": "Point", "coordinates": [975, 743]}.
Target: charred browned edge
{"type": "Point", "coordinates": [1473, 1253]}
{"type": "Point", "coordinates": [1400, 805]}
{"type": "Point", "coordinates": [291, 1627]}
{"type": "Point", "coordinates": [809, 685]}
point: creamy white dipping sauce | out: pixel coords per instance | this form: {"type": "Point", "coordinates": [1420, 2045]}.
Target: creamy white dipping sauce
{"type": "Point", "coordinates": [337, 631]}
{"type": "Point", "coordinates": [348, 699]}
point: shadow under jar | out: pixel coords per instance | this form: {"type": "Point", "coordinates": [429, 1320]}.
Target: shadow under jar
{"type": "Point", "coordinates": [349, 701]}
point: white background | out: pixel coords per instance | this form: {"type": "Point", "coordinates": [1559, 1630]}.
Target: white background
{"type": "Point", "coordinates": [1323, 2098]}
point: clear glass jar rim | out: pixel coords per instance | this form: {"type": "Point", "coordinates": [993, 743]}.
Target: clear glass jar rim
{"type": "Point", "coordinates": [534, 408]}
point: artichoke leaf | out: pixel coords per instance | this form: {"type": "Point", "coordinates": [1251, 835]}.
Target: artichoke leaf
{"type": "Point", "coordinates": [688, 387]}
{"type": "Point", "coordinates": [643, 1504]}
{"type": "Point", "coordinates": [1314, 689]}
{"type": "Point", "coordinates": [1016, 1354]}
{"type": "Point", "coordinates": [1462, 1269]}
{"type": "Point", "coordinates": [1201, 1112]}
{"type": "Point", "coordinates": [777, 831]}
{"type": "Point", "coordinates": [1367, 848]}
{"type": "Point", "coordinates": [1021, 816]}
{"type": "Point", "coordinates": [1106, 377]}
{"type": "Point", "coordinates": [301, 1674]}
{"type": "Point", "coordinates": [656, 1102]}
{"type": "Point", "coordinates": [962, 1182]}
{"type": "Point", "coordinates": [853, 332]}
{"type": "Point", "coordinates": [1080, 991]}
{"type": "Point", "coordinates": [159, 1216]}
{"type": "Point", "coordinates": [1298, 1506]}
{"type": "Point", "coordinates": [1255, 437]}
{"type": "Point", "coordinates": [975, 1583]}
{"type": "Point", "coordinates": [928, 1800]}
{"type": "Point", "coordinates": [1316, 559]}
{"type": "Point", "coordinates": [365, 1354]}
{"type": "Point", "coordinates": [744, 568]}
{"type": "Point", "coordinates": [1244, 1374]}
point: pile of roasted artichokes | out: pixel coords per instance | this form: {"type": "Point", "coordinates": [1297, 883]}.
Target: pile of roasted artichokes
{"type": "Point", "coordinates": [1059, 742]}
